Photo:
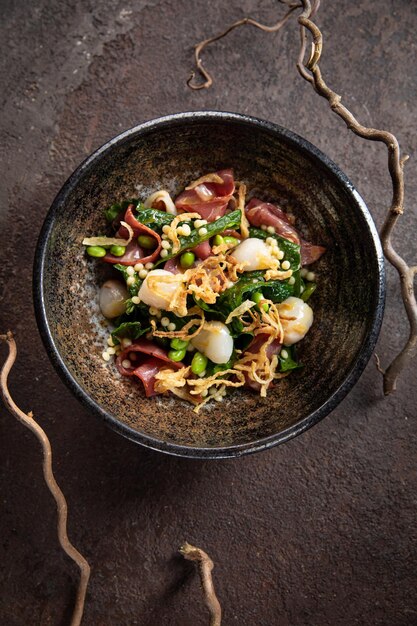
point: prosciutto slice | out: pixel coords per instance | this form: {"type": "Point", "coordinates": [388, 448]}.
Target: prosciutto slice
{"type": "Point", "coordinates": [150, 359]}
{"type": "Point", "coordinates": [134, 253]}
{"type": "Point", "coordinates": [209, 200]}
{"type": "Point", "coordinates": [203, 250]}
{"type": "Point", "coordinates": [259, 212]}
{"type": "Point", "coordinates": [253, 348]}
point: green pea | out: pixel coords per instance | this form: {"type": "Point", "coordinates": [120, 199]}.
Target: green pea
{"type": "Point", "coordinates": [310, 288]}
{"type": "Point", "coordinates": [117, 250]}
{"type": "Point", "coordinates": [96, 251]}
{"type": "Point", "coordinates": [257, 297]}
{"type": "Point", "coordinates": [179, 344]}
{"type": "Point", "coordinates": [231, 241]}
{"type": "Point", "coordinates": [199, 363]}
{"type": "Point", "coordinates": [147, 242]}
{"type": "Point", "coordinates": [218, 240]}
{"type": "Point", "coordinates": [187, 259]}
{"type": "Point", "coordinates": [176, 355]}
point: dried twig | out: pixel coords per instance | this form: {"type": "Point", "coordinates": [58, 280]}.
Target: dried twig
{"type": "Point", "coordinates": [208, 81]}
{"type": "Point", "coordinates": [205, 566]}
{"type": "Point", "coordinates": [310, 71]}
{"type": "Point", "coordinates": [62, 508]}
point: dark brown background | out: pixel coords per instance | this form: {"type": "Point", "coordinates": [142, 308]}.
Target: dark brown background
{"type": "Point", "coordinates": [318, 532]}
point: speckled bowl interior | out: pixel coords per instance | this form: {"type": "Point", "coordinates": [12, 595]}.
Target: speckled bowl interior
{"type": "Point", "coordinates": [278, 166]}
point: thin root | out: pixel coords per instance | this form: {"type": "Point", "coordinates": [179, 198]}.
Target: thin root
{"type": "Point", "coordinates": [61, 504]}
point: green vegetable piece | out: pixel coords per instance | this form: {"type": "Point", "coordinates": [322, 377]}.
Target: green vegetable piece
{"type": "Point", "coordinates": [218, 240]}
{"type": "Point", "coordinates": [147, 242]}
{"type": "Point", "coordinates": [96, 251]}
{"type": "Point", "coordinates": [117, 250]}
{"type": "Point", "coordinates": [199, 363]}
{"type": "Point", "coordinates": [230, 220]}
{"type": "Point", "coordinates": [133, 330]}
{"type": "Point", "coordinates": [289, 361]}
{"type": "Point", "coordinates": [257, 297]}
{"type": "Point", "coordinates": [176, 355]}
{"type": "Point", "coordinates": [187, 259]}
{"type": "Point", "coordinates": [112, 212]}
{"type": "Point", "coordinates": [179, 344]}
{"type": "Point", "coordinates": [310, 288]}
{"type": "Point", "coordinates": [231, 241]}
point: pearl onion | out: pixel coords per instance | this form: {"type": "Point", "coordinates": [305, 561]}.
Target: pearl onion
{"type": "Point", "coordinates": [159, 300]}
{"type": "Point", "coordinates": [296, 318]}
{"type": "Point", "coordinates": [215, 342]}
{"type": "Point", "coordinates": [254, 253]}
{"type": "Point", "coordinates": [112, 299]}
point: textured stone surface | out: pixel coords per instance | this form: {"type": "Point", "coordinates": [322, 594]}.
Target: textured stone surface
{"type": "Point", "coordinates": [319, 531]}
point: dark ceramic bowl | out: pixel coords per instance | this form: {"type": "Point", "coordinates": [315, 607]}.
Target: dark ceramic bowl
{"type": "Point", "coordinates": [168, 153]}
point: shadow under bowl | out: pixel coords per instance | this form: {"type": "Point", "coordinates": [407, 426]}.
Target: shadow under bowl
{"type": "Point", "coordinates": [275, 164]}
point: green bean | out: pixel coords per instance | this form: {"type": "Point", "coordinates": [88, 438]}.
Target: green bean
{"type": "Point", "coordinates": [117, 250]}
{"type": "Point", "coordinates": [308, 291]}
{"type": "Point", "coordinates": [187, 259]}
{"type": "Point", "coordinates": [199, 363]}
{"type": "Point", "coordinates": [96, 251]}
{"type": "Point", "coordinates": [176, 355]}
{"type": "Point", "coordinates": [147, 242]}
{"type": "Point", "coordinates": [179, 344]}
{"type": "Point", "coordinates": [257, 297]}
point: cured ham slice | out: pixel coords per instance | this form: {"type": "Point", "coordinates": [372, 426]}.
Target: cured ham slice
{"type": "Point", "coordinates": [203, 250]}
{"type": "Point", "coordinates": [134, 253]}
{"type": "Point", "coordinates": [208, 199]}
{"type": "Point", "coordinates": [150, 358]}
{"type": "Point", "coordinates": [259, 213]}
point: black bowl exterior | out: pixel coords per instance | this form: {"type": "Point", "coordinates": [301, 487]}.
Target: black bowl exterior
{"type": "Point", "coordinates": [275, 164]}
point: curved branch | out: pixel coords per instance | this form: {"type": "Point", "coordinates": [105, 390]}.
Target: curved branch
{"type": "Point", "coordinates": [205, 567]}
{"type": "Point", "coordinates": [61, 504]}
{"type": "Point", "coordinates": [310, 71]}
{"type": "Point", "coordinates": [208, 80]}
{"type": "Point", "coordinates": [396, 170]}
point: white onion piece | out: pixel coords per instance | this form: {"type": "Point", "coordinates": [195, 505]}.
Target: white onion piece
{"type": "Point", "coordinates": [113, 296]}
{"type": "Point", "coordinates": [215, 342]}
{"type": "Point", "coordinates": [162, 292]}
{"type": "Point", "coordinates": [296, 318]}
{"type": "Point", "coordinates": [161, 196]}
{"type": "Point", "coordinates": [254, 253]}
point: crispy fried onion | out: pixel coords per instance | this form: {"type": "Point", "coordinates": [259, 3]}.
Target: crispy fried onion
{"type": "Point", "coordinates": [207, 178]}
{"type": "Point", "coordinates": [183, 333]}
{"type": "Point", "coordinates": [260, 367]}
{"type": "Point", "coordinates": [240, 310]}
{"type": "Point", "coordinates": [244, 224]}
{"type": "Point", "coordinates": [205, 281]}
{"type": "Point", "coordinates": [276, 274]}
{"type": "Point", "coordinates": [159, 198]}
{"type": "Point", "coordinates": [171, 229]}
{"type": "Point", "coordinates": [110, 241]}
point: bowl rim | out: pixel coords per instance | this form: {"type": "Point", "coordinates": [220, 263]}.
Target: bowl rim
{"type": "Point", "coordinates": [160, 445]}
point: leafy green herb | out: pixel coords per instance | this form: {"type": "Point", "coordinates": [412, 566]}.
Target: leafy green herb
{"type": "Point", "coordinates": [290, 361]}
{"type": "Point", "coordinates": [153, 217]}
{"type": "Point", "coordinates": [132, 330]}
